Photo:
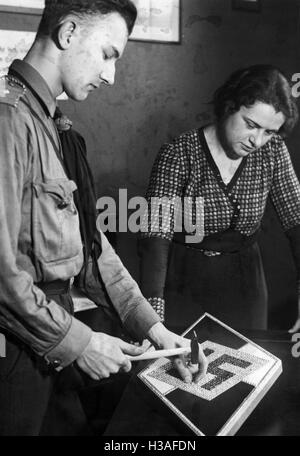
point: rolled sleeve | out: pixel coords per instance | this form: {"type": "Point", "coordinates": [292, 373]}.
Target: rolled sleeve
{"type": "Point", "coordinates": [71, 346]}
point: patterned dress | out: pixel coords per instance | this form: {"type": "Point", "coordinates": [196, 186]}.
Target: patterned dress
{"type": "Point", "coordinates": [223, 274]}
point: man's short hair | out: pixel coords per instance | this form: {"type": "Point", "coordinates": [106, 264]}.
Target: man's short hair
{"type": "Point", "coordinates": [56, 10]}
{"type": "Point", "coordinates": [264, 83]}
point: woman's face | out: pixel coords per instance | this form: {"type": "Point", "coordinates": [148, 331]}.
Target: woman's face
{"type": "Point", "coordinates": [249, 129]}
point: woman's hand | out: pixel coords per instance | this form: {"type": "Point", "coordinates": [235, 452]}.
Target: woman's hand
{"type": "Point", "coordinates": [162, 338]}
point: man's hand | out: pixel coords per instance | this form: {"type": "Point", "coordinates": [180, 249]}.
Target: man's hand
{"type": "Point", "coordinates": [162, 338]}
{"type": "Point", "coordinates": [106, 355]}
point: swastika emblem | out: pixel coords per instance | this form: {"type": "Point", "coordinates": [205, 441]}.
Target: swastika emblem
{"type": "Point", "coordinates": [227, 367]}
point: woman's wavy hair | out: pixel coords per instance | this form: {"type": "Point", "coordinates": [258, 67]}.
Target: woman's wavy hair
{"type": "Point", "coordinates": [56, 10]}
{"type": "Point", "coordinates": [264, 83]}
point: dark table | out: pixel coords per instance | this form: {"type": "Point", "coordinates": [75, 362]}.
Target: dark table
{"type": "Point", "coordinates": [141, 413]}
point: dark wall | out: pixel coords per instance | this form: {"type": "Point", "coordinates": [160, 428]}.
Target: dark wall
{"type": "Point", "coordinates": [162, 90]}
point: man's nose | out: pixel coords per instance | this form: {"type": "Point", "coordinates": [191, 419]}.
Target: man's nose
{"type": "Point", "coordinates": [107, 75]}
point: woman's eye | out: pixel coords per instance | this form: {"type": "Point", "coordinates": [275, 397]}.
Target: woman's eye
{"type": "Point", "coordinates": [269, 133]}
{"type": "Point", "coordinates": [250, 126]}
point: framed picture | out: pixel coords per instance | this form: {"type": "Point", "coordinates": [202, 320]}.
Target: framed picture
{"type": "Point", "coordinates": [158, 20]}
{"type": "Point", "coordinates": [22, 6]}
{"type": "Point", "coordinates": [247, 5]}
{"type": "Point", "coordinates": [15, 45]}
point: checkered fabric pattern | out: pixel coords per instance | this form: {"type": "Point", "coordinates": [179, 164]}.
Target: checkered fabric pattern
{"type": "Point", "coordinates": [184, 169]}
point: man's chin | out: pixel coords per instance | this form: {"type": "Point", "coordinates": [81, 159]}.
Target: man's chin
{"type": "Point", "coordinates": [81, 96]}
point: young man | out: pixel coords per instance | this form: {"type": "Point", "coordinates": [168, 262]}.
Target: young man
{"type": "Point", "coordinates": [76, 48]}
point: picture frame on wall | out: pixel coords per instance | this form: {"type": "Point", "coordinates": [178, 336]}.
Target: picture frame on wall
{"type": "Point", "coordinates": [247, 5]}
{"type": "Point", "coordinates": [22, 6]}
{"type": "Point", "coordinates": [158, 21]}
{"type": "Point", "coordinates": [14, 45]}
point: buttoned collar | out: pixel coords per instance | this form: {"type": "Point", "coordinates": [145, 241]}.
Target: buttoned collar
{"type": "Point", "coordinates": [37, 84]}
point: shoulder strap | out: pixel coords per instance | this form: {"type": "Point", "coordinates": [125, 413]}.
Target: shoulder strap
{"type": "Point", "coordinates": [11, 90]}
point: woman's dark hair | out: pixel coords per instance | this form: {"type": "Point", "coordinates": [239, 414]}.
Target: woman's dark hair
{"type": "Point", "coordinates": [263, 83]}
{"type": "Point", "coordinates": [56, 10]}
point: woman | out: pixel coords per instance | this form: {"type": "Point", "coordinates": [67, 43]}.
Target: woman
{"type": "Point", "coordinates": [233, 164]}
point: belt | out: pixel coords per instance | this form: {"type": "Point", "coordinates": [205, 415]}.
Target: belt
{"type": "Point", "coordinates": [225, 243]}
{"type": "Point", "coordinates": [57, 287]}
{"type": "Point", "coordinates": [210, 253]}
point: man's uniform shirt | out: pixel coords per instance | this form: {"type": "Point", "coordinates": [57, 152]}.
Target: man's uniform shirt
{"type": "Point", "coordinates": [39, 229]}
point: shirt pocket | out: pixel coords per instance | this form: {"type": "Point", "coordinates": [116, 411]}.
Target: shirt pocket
{"type": "Point", "coordinates": [56, 231]}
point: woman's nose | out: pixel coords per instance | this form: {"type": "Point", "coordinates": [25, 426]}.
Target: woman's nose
{"type": "Point", "coordinates": [256, 139]}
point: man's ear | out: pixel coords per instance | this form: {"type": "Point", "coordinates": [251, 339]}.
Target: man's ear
{"type": "Point", "coordinates": [65, 33]}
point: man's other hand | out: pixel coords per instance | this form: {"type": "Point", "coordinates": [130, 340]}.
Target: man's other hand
{"type": "Point", "coordinates": [106, 355]}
